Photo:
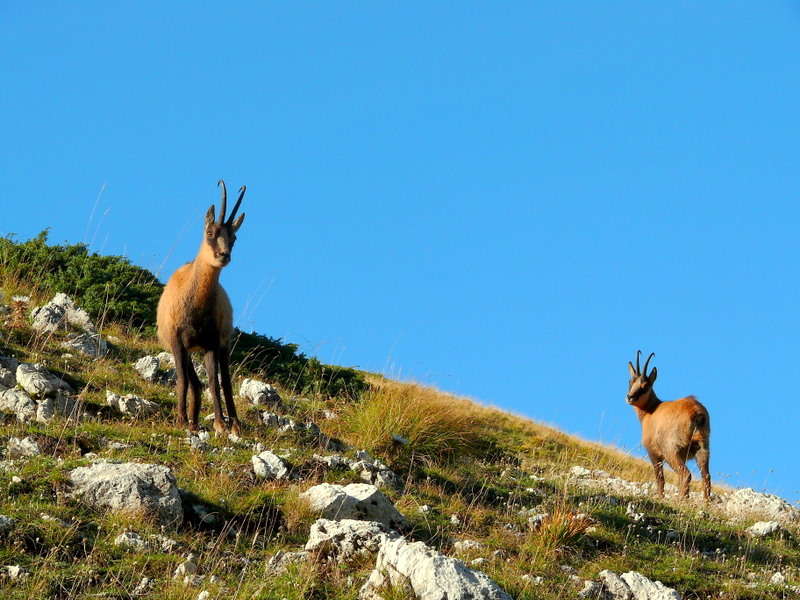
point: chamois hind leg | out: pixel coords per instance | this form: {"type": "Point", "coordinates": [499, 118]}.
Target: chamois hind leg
{"type": "Point", "coordinates": [678, 464]}
{"type": "Point", "coordinates": [181, 356]}
{"type": "Point", "coordinates": [213, 388]}
{"type": "Point", "coordinates": [658, 470]}
{"type": "Point", "coordinates": [195, 399]}
{"type": "Point", "coordinates": [227, 387]}
{"type": "Point", "coordinates": [702, 457]}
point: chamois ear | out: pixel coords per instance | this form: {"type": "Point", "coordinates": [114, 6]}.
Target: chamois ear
{"type": "Point", "coordinates": [652, 377]}
{"type": "Point", "coordinates": [210, 215]}
{"type": "Point", "coordinates": [632, 370]}
{"type": "Point", "coordinates": [237, 223]}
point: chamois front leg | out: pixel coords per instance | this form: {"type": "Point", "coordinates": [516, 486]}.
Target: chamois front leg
{"type": "Point", "coordinates": [227, 387]}
{"type": "Point", "coordinates": [213, 388]}
{"type": "Point", "coordinates": [195, 399]}
{"type": "Point", "coordinates": [181, 355]}
{"type": "Point", "coordinates": [678, 465]}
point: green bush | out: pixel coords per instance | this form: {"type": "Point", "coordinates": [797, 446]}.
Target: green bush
{"type": "Point", "coordinates": [109, 288]}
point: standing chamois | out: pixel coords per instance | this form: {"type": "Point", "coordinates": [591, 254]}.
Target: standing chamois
{"type": "Point", "coordinates": [194, 313]}
{"type": "Point", "coordinates": [673, 431]}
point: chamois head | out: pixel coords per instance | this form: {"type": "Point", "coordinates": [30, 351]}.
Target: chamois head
{"type": "Point", "coordinates": [641, 384]}
{"type": "Point", "coordinates": [220, 235]}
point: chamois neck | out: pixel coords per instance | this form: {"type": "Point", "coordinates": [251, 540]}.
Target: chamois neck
{"type": "Point", "coordinates": [648, 408]}
{"type": "Point", "coordinates": [205, 278]}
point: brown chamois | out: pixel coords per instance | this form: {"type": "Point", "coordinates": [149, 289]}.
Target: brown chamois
{"type": "Point", "coordinates": [194, 313]}
{"type": "Point", "coordinates": [674, 431]}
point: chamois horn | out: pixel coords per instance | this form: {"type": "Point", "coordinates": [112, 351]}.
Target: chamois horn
{"type": "Point", "coordinates": [647, 362]}
{"type": "Point", "coordinates": [242, 190]}
{"type": "Point", "coordinates": [224, 203]}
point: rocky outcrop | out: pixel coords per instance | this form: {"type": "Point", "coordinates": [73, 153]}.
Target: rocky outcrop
{"type": "Point", "coordinates": [358, 501]}
{"type": "Point", "coordinates": [132, 487]}
{"type": "Point", "coordinates": [347, 539]}
{"type": "Point", "coordinates": [426, 574]}
{"type": "Point", "coordinates": [26, 409]}
{"type": "Point", "coordinates": [747, 503]}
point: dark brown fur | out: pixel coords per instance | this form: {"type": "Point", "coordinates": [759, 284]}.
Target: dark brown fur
{"type": "Point", "coordinates": [674, 431]}
{"type": "Point", "coordinates": [195, 314]}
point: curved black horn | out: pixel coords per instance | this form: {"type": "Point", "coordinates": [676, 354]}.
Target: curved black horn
{"type": "Point", "coordinates": [638, 353]}
{"type": "Point", "coordinates": [223, 207]}
{"type": "Point", "coordinates": [242, 190]}
{"type": "Point", "coordinates": [652, 354]}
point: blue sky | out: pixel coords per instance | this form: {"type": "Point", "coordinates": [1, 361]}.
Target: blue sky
{"type": "Point", "coordinates": [504, 200]}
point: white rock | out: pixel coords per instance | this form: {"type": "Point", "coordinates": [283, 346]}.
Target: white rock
{"type": "Point", "coordinates": [644, 589]}
{"type": "Point", "coordinates": [746, 503]}
{"type": "Point", "coordinates": [278, 564]}
{"type": "Point", "coordinates": [135, 487]}
{"type": "Point", "coordinates": [777, 579]}
{"type": "Point", "coordinates": [23, 448]}
{"type": "Point", "coordinates": [359, 501]}
{"type": "Point", "coordinates": [18, 402]}
{"type": "Point", "coordinates": [62, 405]}
{"type": "Point", "coordinates": [38, 381]}
{"type": "Point", "coordinates": [763, 529]}
{"type": "Point", "coordinates": [90, 344]}
{"type": "Point", "coordinates": [131, 404]}
{"type": "Point", "coordinates": [615, 586]}
{"type": "Point", "coordinates": [259, 393]}
{"type": "Point", "coordinates": [147, 367]}
{"type": "Point", "coordinates": [186, 568]}
{"type": "Point", "coordinates": [465, 546]}
{"type": "Point", "coordinates": [130, 539]}
{"type": "Point", "coordinates": [8, 371]}
{"type": "Point", "coordinates": [270, 466]}
{"type": "Point", "coordinates": [578, 471]}
{"type": "Point", "coordinates": [346, 539]}
{"type": "Point", "coordinates": [427, 575]}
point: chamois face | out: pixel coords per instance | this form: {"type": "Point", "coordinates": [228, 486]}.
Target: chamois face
{"type": "Point", "coordinates": [640, 386]}
{"type": "Point", "coordinates": [219, 239]}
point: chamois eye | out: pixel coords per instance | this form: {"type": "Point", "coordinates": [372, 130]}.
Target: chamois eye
{"type": "Point", "coordinates": [209, 234]}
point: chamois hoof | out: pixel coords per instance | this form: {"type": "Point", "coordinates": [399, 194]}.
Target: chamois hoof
{"type": "Point", "coordinates": [236, 428]}
{"type": "Point", "coordinates": [219, 427]}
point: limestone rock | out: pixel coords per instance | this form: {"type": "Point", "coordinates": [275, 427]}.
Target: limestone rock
{"type": "Point", "coordinates": [90, 344]}
{"type": "Point", "coordinates": [427, 575]}
{"type": "Point", "coordinates": [147, 367]}
{"type": "Point", "coordinates": [130, 404]}
{"type": "Point", "coordinates": [134, 487]}
{"type": "Point", "coordinates": [746, 503]}
{"type": "Point", "coordinates": [346, 539]}
{"type": "Point", "coordinates": [60, 313]}
{"type": "Point", "coordinates": [39, 382]}
{"type": "Point", "coordinates": [270, 466]}
{"type": "Point", "coordinates": [763, 529]}
{"type": "Point", "coordinates": [8, 372]}
{"type": "Point", "coordinates": [23, 448]}
{"type": "Point", "coordinates": [259, 393]}
{"type": "Point", "coordinates": [358, 501]}
{"type": "Point", "coordinates": [19, 403]}
{"type": "Point", "coordinates": [643, 589]}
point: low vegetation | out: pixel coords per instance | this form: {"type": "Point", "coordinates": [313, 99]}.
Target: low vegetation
{"type": "Point", "coordinates": [468, 472]}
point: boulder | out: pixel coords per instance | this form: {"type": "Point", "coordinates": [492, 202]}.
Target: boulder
{"type": "Point", "coordinates": [259, 393]}
{"type": "Point", "coordinates": [138, 488]}
{"type": "Point", "coordinates": [358, 501]}
{"type": "Point", "coordinates": [39, 382]}
{"type": "Point", "coordinates": [347, 539]}
{"type": "Point", "coordinates": [643, 589]}
{"type": "Point", "coordinates": [131, 405]}
{"type": "Point", "coordinates": [426, 574]}
{"type": "Point", "coordinates": [62, 405]}
{"type": "Point", "coordinates": [19, 403]}
{"type": "Point", "coordinates": [763, 529]}
{"type": "Point", "coordinates": [90, 344]}
{"type": "Point", "coordinates": [147, 367]}
{"type": "Point", "coordinates": [270, 466]}
{"type": "Point", "coordinates": [747, 503]}
{"type": "Point", "coordinates": [8, 372]}
{"type": "Point", "coordinates": [23, 448]}
{"type": "Point", "coordinates": [60, 313]}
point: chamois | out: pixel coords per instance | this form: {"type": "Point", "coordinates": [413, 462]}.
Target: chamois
{"type": "Point", "coordinates": [194, 313]}
{"type": "Point", "coordinates": [673, 431]}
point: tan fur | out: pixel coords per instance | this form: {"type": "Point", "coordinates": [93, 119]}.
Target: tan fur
{"type": "Point", "coordinates": [195, 314]}
{"type": "Point", "coordinates": [674, 431]}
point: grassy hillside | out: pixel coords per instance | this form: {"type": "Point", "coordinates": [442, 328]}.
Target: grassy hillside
{"type": "Point", "coordinates": [468, 472]}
